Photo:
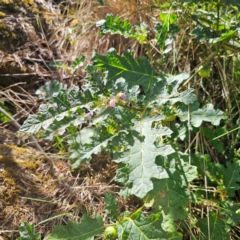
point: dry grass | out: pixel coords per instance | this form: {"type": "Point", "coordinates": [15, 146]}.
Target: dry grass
{"type": "Point", "coordinates": [33, 191]}
{"type": "Point", "coordinates": [22, 102]}
{"type": "Point", "coordinates": [73, 31]}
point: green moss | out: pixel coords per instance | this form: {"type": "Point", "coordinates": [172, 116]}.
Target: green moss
{"type": "Point", "coordinates": [11, 167]}
{"type": "Point", "coordinates": [9, 191]}
{"type": "Point", "coordinates": [31, 165]}
{"type": "Point", "coordinates": [13, 5]}
{"type": "Point", "coordinates": [5, 31]}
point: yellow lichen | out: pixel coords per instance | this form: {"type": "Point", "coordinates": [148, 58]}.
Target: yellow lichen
{"type": "Point", "coordinates": [17, 150]}
{"type": "Point", "coordinates": [17, 2]}
{"type": "Point", "coordinates": [2, 14]}
{"type": "Point", "coordinates": [28, 2]}
{"type": "Point", "coordinates": [3, 25]}
{"type": "Point", "coordinates": [9, 189]}
{"type": "Point", "coordinates": [14, 161]}
{"type": "Point", "coordinates": [5, 2]}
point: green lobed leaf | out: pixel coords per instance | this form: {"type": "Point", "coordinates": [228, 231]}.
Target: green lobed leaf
{"type": "Point", "coordinates": [135, 72]}
{"type": "Point", "coordinates": [165, 31]}
{"type": "Point", "coordinates": [32, 124]}
{"type": "Point", "coordinates": [48, 90]}
{"type": "Point", "coordinates": [97, 79]}
{"type": "Point", "coordinates": [215, 228]}
{"type": "Point", "coordinates": [210, 134]}
{"type": "Point", "coordinates": [166, 90]}
{"type": "Point", "coordinates": [145, 228]}
{"type": "Point", "coordinates": [87, 229]}
{"type": "Point", "coordinates": [64, 108]}
{"type": "Point", "coordinates": [171, 195]}
{"type": "Point", "coordinates": [198, 115]}
{"type": "Point", "coordinates": [230, 210]}
{"type": "Point", "coordinates": [185, 97]}
{"type": "Point", "coordinates": [231, 176]}
{"type": "Point", "coordinates": [139, 161]}
{"type": "Point", "coordinates": [53, 124]}
{"type": "Point", "coordinates": [180, 131]}
{"type": "Point", "coordinates": [91, 140]}
{"type": "Point", "coordinates": [80, 154]}
{"type": "Point", "coordinates": [27, 232]}
{"type": "Point", "coordinates": [227, 177]}
{"type": "Point", "coordinates": [111, 206]}
{"type": "Point", "coordinates": [116, 25]}
{"type": "Point", "coordinates": [78, 62]}
{"type": "Point", "coordinates": [206, 167]}
{"type": "Point", "coordinates": [202, 33]}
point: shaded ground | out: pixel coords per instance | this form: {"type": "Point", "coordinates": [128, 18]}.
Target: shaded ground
{"type": "Point", "coordinates": [34, 189]}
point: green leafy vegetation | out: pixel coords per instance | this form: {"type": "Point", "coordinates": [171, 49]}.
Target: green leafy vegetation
{"type": "Point", "coordinates": [3, 118]}
{"type": "Point", "coordinates": [116, 25]}
{"type": "Point", "coordinates": [87, 229]}
{"type": "Point", "coordinates": [158, 130]}
{"type": "Point", "coordinates": [27, 232]}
